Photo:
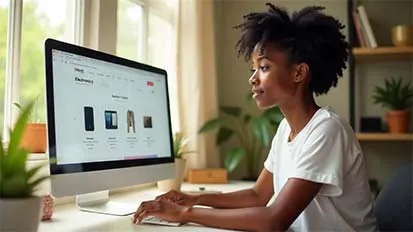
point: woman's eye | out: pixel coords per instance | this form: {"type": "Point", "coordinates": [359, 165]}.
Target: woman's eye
{"type": "Point", "coordinates": [263, 68]}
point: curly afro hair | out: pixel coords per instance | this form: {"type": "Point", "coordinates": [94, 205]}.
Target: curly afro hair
{"type": "Point", "coordinates": [308, 36]}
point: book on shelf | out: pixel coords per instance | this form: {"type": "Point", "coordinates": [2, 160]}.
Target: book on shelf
{"type": "Point", "coordinates": [365, 26]}
{"type": "Point", "coordinates": [359, 30]}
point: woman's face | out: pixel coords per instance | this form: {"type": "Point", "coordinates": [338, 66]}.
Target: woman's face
{"type": "Point", "coordinates": [273, 79]}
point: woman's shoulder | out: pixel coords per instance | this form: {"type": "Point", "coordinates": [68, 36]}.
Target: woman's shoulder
{"type": "Point", "coordinates": [328, 122]}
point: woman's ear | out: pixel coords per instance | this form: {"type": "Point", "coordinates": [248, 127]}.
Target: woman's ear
{"type": "Point", "coordinates": [302, 72]}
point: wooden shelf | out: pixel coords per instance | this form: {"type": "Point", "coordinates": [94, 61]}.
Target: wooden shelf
{"type": "Point", "coordinates": [384, 137]}
{"type": "Point", "coordinates": [383, 53]}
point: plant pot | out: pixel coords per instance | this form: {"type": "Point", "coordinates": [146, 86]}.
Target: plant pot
{"type": "Point", "coordinates": [34, 138]}
{"type": "Point", "coordinates": [20, 214]}
{"type": "Point", "coordinates": [174, 184]}
{"type": "Point", "coordinates": [402, 35]}
{"type": "Point", "coordinates": [398, 121]}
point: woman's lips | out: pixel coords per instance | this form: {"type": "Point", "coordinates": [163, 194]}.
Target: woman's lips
{"type": "Point", "coordinates": [257, 93]}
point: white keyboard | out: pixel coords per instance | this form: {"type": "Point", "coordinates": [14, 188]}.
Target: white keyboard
{"type": "Point", "coordinates": [158, 221]}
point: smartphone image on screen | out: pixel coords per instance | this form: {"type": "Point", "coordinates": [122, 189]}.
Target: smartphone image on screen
{"type": "Point", "coordinates": [111, 120]}
{"type": "Point", "coordinates": [89, 119]}
{"type": "Point", "coordinates": [115, 120]}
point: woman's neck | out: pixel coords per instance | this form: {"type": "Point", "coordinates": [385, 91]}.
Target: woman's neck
{"type": "Point", "coordinates": [298, 112]}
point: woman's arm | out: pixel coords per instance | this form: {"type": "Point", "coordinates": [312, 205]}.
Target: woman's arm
{"type": "Point", "coordinates": [257, 196]}
{"type": "Point", "coordinates": [290, 202]}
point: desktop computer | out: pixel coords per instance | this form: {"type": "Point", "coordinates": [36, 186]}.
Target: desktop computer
{"type": "Point", "coordinates": [108, 125]}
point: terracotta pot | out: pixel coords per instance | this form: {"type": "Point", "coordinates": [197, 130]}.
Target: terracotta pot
{"type": "Point", "coordinates": [174, 184]}
{"type": "Point", "coordinates": [20, 214]}
{"type": "Point", "coordinates": [34, 138]}
{"type": "Point", "coordinates": [398, 121]}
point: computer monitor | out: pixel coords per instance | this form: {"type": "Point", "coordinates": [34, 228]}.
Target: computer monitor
{"type": "Point", "coordinates": [108, 125]}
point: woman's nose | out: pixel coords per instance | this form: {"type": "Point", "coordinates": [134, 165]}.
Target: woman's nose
{"type": "Point", "coordinates": [253, 79]}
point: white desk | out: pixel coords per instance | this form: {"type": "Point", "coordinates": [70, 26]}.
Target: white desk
{"type": "Point", "coordinates": [68, 218]}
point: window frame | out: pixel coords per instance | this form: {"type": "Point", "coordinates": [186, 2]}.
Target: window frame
{"type": "Point", "coordinates": [12, 82]}
{"type": "Point", "coordinates": [157, 7]}
{"type": "Point", "coordinates": [14, 37]}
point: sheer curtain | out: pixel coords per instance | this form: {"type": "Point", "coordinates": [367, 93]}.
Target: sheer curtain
{"type": "Point", "coordinates": [196, 78]}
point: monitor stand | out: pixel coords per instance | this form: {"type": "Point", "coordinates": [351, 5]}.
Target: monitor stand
{"type": "Point", "coordinates": [98, 202]}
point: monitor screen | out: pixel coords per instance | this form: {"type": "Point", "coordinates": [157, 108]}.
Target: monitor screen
{"type": "Point", "coordinates": [105, 112]}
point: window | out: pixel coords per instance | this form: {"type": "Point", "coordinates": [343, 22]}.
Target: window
{"type": "Point", "coordinates": [160, 42]}
{"type": "Point", "coordinates": [4, 6]}
{"type": "Point", "coordinates": [41, 19]}
{"type": "Point", "coordinates": [22, 51]}
{"type": "Point", "coordinates": [141, 30]}
{"type": "Point", "coordinates": [146, 33]}
{"type": "Point", "coordinates": [129, 29]}
{"type": "Point", "coordinates": [161, 53]}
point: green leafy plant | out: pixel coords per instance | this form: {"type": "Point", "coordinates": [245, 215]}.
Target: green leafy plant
{"type": "Point", "coordinates": [252, 132]}
{"type": "Point", "coordinates": [15, 180]}
{"type": "Point", "coordinates": [180, 145]}
{"type": "Point", "coordinates": [394, 95]}
{"type": "Point", "coordinates": [32, 118]}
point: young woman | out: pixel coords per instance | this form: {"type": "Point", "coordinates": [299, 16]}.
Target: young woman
{"type": "Point", "coordinates": [315, 165]}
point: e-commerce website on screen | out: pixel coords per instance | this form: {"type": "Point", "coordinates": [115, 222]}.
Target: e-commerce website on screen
{"type": "Point", "coordinates": [105, 111]}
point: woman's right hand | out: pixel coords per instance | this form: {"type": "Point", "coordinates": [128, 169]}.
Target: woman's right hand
{"type": "Point", "coordinates": [179, 198]}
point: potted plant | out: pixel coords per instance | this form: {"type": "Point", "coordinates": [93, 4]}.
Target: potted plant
{"type": "Point", "coordinates": [20, 209]}
{"type": "Point", "coordinates": [180, 144]}
{"type": "Point", "coordinates": [397, 98]}
{"type": "Point", "coordinates": [253, 134]}
{"type": "Point", "coordinates": [34, 136]}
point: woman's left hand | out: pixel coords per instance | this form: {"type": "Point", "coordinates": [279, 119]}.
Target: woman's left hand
{"type": "Point", "coordinates": [162, 209]}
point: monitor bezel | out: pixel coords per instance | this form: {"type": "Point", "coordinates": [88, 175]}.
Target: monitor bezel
{"type": "Point", "coordinates": [52, 44]}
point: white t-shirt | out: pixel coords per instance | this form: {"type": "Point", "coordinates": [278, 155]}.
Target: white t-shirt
{"type": "Point", "coordinates": [325, 151]}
